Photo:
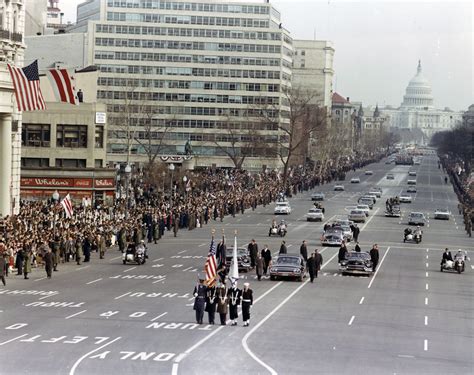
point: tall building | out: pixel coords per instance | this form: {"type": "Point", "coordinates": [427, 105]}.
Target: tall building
{"type": "Point", "coordinates": [417, 111]}
{"type": "Point", "coordinates": [35, 17]}
{"type": "Point", "coordinates": [12, 20]}
{"type": "Point", "coordinates": [206, 72]}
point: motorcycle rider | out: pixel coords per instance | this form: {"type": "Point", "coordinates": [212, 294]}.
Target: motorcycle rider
{"type": "Point", "coordinates": [274, 226]}
{"type": "Point", "coordinates": [418, 232]}
{"type": "Point", "coordinates": [446, 256]}
{"type": "Point", "coordinates": [406, 232]}
{"type": "Point", "coordinates": [282, 226]}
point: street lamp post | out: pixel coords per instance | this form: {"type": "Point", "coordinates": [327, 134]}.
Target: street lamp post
{"type": "Point", "coordinates": [171, 168]}
{"type": "Point", "coordinates": [185, 179]}
{"type": "Point", "coordinates": [128, 172]}
{"type": "Point", "coordinates": [117, 182]}
{"type": "Point", "coordinates": [163, 175]}
{"type": "Point", "coordinates": [55, 200]}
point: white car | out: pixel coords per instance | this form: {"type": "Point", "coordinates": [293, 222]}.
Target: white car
{"type": "Point", "coordinates": [442, 214]}
{"type": "Point", "coordinates": [390, 176]}
{"type": "Point", "coordinates": [318, 196]}
{"type": "Point", "coordinates": [315, 214]}
{"type": "Point", "coordinates": [282, 208]}
{"type": "Point", "coordinates": [411, 182]}
{"type": "Point", "coordinates": [363, 207]}
{"type": "Point", "coordinates": [357, 216]}
{"type": "Point", "coordinates": [372, 195]}
{"type": "Point", "coordinates": [412, 173]}
{"type": "Point", "coordinates": [369, 173]}
{"type": "Point", "coordinates": [355, 180]}
{"type": "Point", "coordinates": [377, 193]}
{"type": "Point", "coordinates": [405, 198]}
{"type": "Point", "coordinates": [339, 188]}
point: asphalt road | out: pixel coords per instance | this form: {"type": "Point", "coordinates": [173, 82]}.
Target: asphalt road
{"type": "Point", "coordinates": [409, 318]}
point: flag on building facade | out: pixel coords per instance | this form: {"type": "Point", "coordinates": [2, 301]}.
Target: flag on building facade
{"type": "Point", "coordinates": [26, 84]}
{"type": "Point", "coordinates": [63, 83]}
{"type": "Point", "coordinates": [211, 264]}
{"type": "Point", "coordinates": [67, 205]}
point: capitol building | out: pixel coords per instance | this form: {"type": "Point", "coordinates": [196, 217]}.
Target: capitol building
{"type": "Point", "coordinates": [417, 113]}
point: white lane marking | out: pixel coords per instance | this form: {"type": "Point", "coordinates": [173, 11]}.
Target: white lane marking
{"type": "Point", "coordinates": [203, 340]}
{"type": "Point", "coordinates": [160, 280]}
{"type": "Point", "coordinates": [174, 370]}
{"type": "Point", "coordinates": [129, 269]}
{"type": "Point", "coordinates": [425, 345]}
{"type": "Point", "coordinates": [350, 321]}
{"type": "Point", "coordinates": [378, 267]}
{"type": "Point", "coordinates": [73, 369]}
{"type": "Point", "coordinates": [201, 245]}
{"type": "Point", "coordinates": [49, 295]}
{"type": "Point", "coordinates": [123, 295]}
{"type": "Point", "coordinates": [406, 356]}
{"type": "Point", "coordinates": [41, 278]}
{"type": "Point", "coordinates": [427, 250]}
{"type": "Point", "coordinates": [182, 251]}
{"type": "Point", "coordinates": [426, 300]}
{"type": "Point", "coordinates": [158, 317]}
{"type": "Point", "coordinates": [269, 315]}
{"type": "Point", "coordinates": [73, 315]}
{"type": "Point", "coordinates": [361, 301]}
{"type": "Point", "coordinates": [93, 281]}
{"type": "Point", "coordinates": [427, 286]}
{"type": "Point", "coordinates": [427, 257]}
{"type": "Point", "coordinates": [472, 266]}
{"type": "Point", "coordinates": [427, 265]}
{"type": "Point", "coordinates": [290, 245]}
{"type": "Point", "coordinates": [81, 268]}
{"type": "Point", "coordinates": [16, 338]}
{"type": "Point", "coordinates": [116, 258]}
{"type": "Point", "coordinates": [370, 219]}
{"type": "Point", "coordinates": [426, 320]}
{"type": "Point", "coordinates": [426, 274]}
{"type": "Point", "coordinates": [157, 260]}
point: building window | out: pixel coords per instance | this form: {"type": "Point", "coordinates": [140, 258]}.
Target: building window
{"type": "Point", "coordinates": [34, 162]}
{"type": "Point", "coordinates": [338, 112]}
{"type": "Point", "coordinates": [303, 53]}
{"type": "Point", "coordinates": [71, 136]}
{"type": "Point", "coordinates": [36, 135]}
{"type": "Point", "coordinates": [71, 163]}
{"type": "Point", "coordinates": [99, 137]}
{"type": "Point", "coordinates": [98, 163]}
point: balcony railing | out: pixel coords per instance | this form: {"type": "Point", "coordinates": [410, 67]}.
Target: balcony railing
{"type": "Point", "coordinates": [6, 34]}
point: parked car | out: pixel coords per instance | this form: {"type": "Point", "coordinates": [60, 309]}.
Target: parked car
{"type": "Point", "coordinates": [411, 189]}
{"type": "Point", "coordinates": [355, 180]}
{"type": "Point", "coordinates": [356, 263]}
{"type": "Point", "coordinates": [412, 173]}
{"type": "Point", "coordinates": [317, 196]}
{"type": "Point", "coordinates": [339, 188]}
{"type": "Point", "coordinates": [405, 198]}
{"type": "Point", "coordinates": [288, 266]}
{"type": "Point", "coordinates": [442, 214]}
{"type": "Point", "coordinates": [411, 182]}
{"type": "Point", "coordinates": [416, 218]}
{"type": "Point", "coordinates": [315, 214]}
{"type": "Point", "coordinates": [390, 176]}
{"type": "Point", "coordinates": [243, 258]}
{"type": "Point", "coordinates": [282, 208]}
{"type": "Point", "coordinates": [357, 216]}
{"type": "Point", "coordinates": [369, 173]}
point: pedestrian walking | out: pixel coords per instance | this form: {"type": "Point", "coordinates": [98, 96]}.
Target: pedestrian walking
{"type": "Point", "coordinates": [56, 250]}
{"type": "Point", "coordinates": [311, 267]}
{"type": "Point", "coordinates": [211, 301]}
{"type": "Point", "coordinates": [318, 260]}
{"type": "Point", "coordinates": [253, 251]}
{"type": "Point", "coordinates": [283, 248]}
{"type": "Point", "coordinates": [233, 296]}
{"type": "Point", "coordinates": [247, 301]}
{"type": "Point", "coordinates": [199, 299]}
{"type": "Point", "coordinates": [222, 303]}
{"type": "Point", "coordinates": [304, 251]}
{"type": "Point", "coordinates": [27, 263]}
{"type": "Point", "coordinates": [19, 261]}
{"type": "Point", "coordinates": [48, 261]}
{"type": "Point", "coordinates": [259, 266]}
{"type": "Point", "coordinates": [374, 257]}
{"type": "Point", "coordinates": [267, 259]}
{"type": "Point", "coordinates": [355, 233]}
{"type": "Point", "coordinates": [78, 250]}
{"type": "Point", "coordinates": [342, 252]}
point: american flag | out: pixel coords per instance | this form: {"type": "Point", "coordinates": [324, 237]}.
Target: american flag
{"type": "Point", "coordinates": [64, 87]}
{"type": "Point", "coordinates": [211, 265]}
{"type": "Point", "coordinates": [67, 205]}
{"type": "Point", "coordinates": [26, 84]}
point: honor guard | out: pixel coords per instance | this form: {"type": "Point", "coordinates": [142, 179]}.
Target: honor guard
{"type": "Point", "coordinates": [233, 296]}
{"type": "Point", "coordinates": [199, 299]}
{"type": "Point", "coordinates": [222, 303]}
{"type": "Point", "coordinates": [247, 301]}
{"type": "Point", "coordinates": [211, 301]}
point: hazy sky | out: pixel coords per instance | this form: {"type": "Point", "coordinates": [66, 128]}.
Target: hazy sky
{"type": "Point", "coordinates": [378, 44]}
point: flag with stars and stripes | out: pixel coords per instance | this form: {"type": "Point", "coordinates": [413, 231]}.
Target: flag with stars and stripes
{"type": "Point", "coordinates": [26, 84]}
{"type": "Point", "coordinates": [211, 265]}
{"type": "Point", "coordinates": [63, 83]}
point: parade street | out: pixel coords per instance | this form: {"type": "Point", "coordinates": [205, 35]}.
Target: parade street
{"type": "Point", "coordinates": [104, 317]}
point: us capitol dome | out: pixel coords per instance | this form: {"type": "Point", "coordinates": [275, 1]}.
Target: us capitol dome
{"type": "Point", "coordinates": [418, 92]}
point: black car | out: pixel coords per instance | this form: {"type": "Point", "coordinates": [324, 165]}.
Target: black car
{"type": "Point", "coordinates": [243, 258]}
{"type": "Point", "coordinates": [288, 266]}
{"type": "Point", "coordinates": [356, 263]}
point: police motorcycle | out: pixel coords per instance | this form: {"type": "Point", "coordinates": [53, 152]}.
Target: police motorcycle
{"type": "Point", "coordinates": [412, 236]}
{"type": "Point", "coordinates": [278, 230]}
{"type": "Point", "coordinates": [281, 197]}
{"type": "Point", "coordinates": [457, 264]}
{"type": "Point", "coordinates": [320, 206]}
{"type": "Point", "coordinates": [135, 254]}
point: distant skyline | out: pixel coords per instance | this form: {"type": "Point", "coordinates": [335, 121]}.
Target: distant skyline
{"type": "Point", "coordinates": [378, 45]}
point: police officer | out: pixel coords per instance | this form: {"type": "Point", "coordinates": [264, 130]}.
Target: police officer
{"type": "Point", "coordinates": [199, 299]}
{"type": "Point", "coordinates": [233, 296]}
{"type": "Point", "coordinates": [247, 301]}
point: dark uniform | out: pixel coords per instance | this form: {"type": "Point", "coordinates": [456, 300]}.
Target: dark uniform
{"type": "Point", "coordinates": [211, 301]}
{"type": "Point", "coordinates": [199, 302]}
{"type": "Point", "coordinates": [318, 260]}
{"type": "Point", "coordinates": [233, 296]}
{"type": "Point", "coordinates": [247, 301]}
{"type": "Point", "coordinates": [267, 258]}
{"type": "Point", "coordinates": [222, 304]}
{"type": "Point", "coordinates": [253, 250]}
{"type": "Point", "coordinates": [311, 266]}
{"type": "Point", "coordinates": [48, 263]}
{"type": "Point", "coordinates": [374, 257]}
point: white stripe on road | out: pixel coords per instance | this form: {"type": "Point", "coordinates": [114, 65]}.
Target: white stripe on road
{"type": "Point", "coordinates": [425, 346]}
{"type": "Point", "coordinates": [427, 286]}
{"type": "Point", "coordinates": [182, 251]}
{"type": "Point", "coordinates": [377, 270]}
{"type": "Point", "coordinates": [427, 274]}
{"type": "Point", "coordinates": [81, 268]}
{"type": "Point", "coordinates": [350, 321]}
{"type": "Point", "coordinates": [41, 278]}
{"type": "Point", "coordinates": [157, 260]}
{"type": "Point", "coordinates": [158, 317]}
{"type": "Point", "coordinates": [93, 281]}
{"type": "Point", "coordinates": [201, 245]}
{"type": "Point", "coordinates": [49, 295]}
{"type": "Point", "coordinates": [116, 258]}
{"type": "Point", "coordinates": [427, 265]}
{"type": "Point", "coordinates": [269, 315]}
{"type": "Point", "coordinates": [127, 270]}
{"type": "Point", "coordinates": [73, 315]}
{"type": "Point", "coordinates": [426, 320]}
{"type": "Point", "coordinates": [16, 338]}
{"type": "Point", "coordinates": [123, 295]}
{"type": "Point", "coordinates": [426, 300]}
{"type": "Point", "coordinates": [427, 257]}
{"type": "Point", "coordinates": [73, 369]}
{"type": "Point", "coordinates": [370, 219]}
{"type": "Point", "coordinates": [361, 301]}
